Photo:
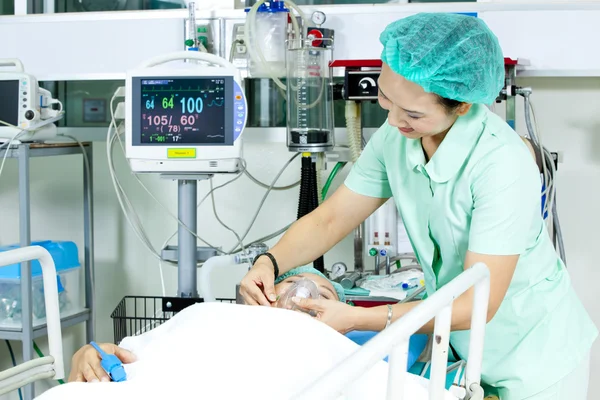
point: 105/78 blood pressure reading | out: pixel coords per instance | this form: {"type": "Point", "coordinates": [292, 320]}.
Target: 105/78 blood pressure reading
{"type": "Point", "coordinates": [190, 105]}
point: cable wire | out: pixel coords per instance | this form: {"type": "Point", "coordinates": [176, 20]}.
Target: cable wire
{"type": "Point", "coordinates": [8, 144]}
{"type": "Point", "coordinates": [262, 202]}
{"type": "Point", "coordinates": [214, 207]}
{"type": "Point", "coordinates": [266, 186]}
{"type": "Point", "coordinates": [89, 195]}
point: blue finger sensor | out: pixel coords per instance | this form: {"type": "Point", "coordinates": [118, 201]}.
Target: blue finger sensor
{"type": "Point", "coordinates": [111, 364]}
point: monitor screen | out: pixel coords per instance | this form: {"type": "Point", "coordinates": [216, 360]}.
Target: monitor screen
{"type": "Point", "coordinates": [182, 111]}
{"type": "Point", "coordinates": [9, 102]}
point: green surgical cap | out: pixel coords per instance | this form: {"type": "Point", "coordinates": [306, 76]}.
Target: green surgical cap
{"type": "Point", "coordinates": [307, 269]}
{"type": "Point", "coordinates": [454, 56]}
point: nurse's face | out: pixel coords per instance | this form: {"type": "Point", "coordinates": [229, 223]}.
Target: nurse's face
{"type": "Point", "coordinates": [414, 112]}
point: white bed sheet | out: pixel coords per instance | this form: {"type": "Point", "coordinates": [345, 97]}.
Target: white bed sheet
{"type": "Point", "coordinates": [227, 351]}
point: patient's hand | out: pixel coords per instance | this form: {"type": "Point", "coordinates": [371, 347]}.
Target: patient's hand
{"type": "Point", "coordinates": [85, 366]}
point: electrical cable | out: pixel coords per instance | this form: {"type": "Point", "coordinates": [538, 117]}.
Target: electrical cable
{"type": "Point", "coordinates": [266, 186]}
{"type": "Point", "coordinates": [126, 206]}
{"type": "Point", "coordinates": [41, 355]}
{"type": "Point", "coordinates": [239, 175]}
{"type": "Point", "coordinates": [14, 362]}
{"type": "Point", "coordinates": [8, 144]}
{"type": "Point", "coordinates": [262, 202]}
{"type": "Point", "coordinates": [89, 196]}
{"type": "Point", "coordinates": [214, 207]}
{"type": "Point", "coordinates": [285, 228]}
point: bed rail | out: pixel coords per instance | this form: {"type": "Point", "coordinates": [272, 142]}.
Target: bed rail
{"type": "Point", "coordinates": [53, 365]}
{"type": "Point", "coordinates": [394, 340]}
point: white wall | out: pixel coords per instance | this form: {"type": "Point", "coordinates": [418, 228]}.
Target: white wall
{"type": "Point", "coordinates": [568, 116]}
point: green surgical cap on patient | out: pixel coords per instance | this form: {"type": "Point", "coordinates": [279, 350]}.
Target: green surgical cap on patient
{"type": "Point", "coordinates": [307, 269]}
{"type": "Point", "coordinates": [454, 56]}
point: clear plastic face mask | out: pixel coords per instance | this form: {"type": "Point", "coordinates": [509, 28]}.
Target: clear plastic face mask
{"type": "Point", "coordinates": [303, 288]}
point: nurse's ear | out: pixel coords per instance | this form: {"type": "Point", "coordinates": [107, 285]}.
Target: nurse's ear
{"type": "Point", "coordinates": [463, 109]}
{"type": "Point", "coordinates": [454, 107]}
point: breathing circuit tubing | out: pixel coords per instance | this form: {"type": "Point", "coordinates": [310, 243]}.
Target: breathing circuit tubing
{"type": "Point", "coordinates": [309, 196]}
{"type": "Point", "coordinates": [549, 172]}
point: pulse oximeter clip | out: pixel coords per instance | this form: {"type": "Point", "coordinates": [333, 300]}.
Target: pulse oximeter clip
{"type": "Point", "coordinates": [111, 364]}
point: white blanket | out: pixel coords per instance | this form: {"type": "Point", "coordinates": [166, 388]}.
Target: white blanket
{"type": "Point", "coordinates": [226, 351]}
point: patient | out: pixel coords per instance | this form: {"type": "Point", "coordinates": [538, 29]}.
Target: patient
{"type": "Point", "coordinates": [228, 351]}
{"type": "Point", "coordinates": [86, 362]}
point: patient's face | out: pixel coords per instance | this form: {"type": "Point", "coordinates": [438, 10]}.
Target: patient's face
{"type": "Point", "coordinates": [326, 290]}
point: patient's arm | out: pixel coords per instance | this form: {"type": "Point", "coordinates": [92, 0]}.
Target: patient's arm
{"type": "Point", "coordinates": [86, 363]}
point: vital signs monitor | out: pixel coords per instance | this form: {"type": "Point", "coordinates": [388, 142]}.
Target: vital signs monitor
{"type": "Point", "coordinates": [186, 118]}
{"type": "Point", "coordinates": [27, 111]}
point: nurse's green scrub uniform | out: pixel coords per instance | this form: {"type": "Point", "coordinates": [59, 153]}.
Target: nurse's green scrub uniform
{"type": "Point", "coordinates": [481, 191]}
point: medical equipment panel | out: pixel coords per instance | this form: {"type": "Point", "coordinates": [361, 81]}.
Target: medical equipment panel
{"type": "Point", "coordinates": [184, 120]}
{"type": "Point", "coordinates": [26, 110]}
{"type": "Point", "coordinates": [65, 256]}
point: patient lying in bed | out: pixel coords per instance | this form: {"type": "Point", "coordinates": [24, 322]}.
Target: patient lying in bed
{"type": "Point", "coordinates": [228, 351]}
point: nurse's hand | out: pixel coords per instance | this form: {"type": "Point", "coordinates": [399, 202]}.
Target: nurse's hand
{"type": "Point", "coordinates": [85, 365]}
{"type": "Point", "coordinates": [258, 286]}
{"type": "Point", "coordinates": [340, 316]}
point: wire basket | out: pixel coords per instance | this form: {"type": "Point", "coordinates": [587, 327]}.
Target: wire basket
{"type": "Point", "coordinates": [138, 314]}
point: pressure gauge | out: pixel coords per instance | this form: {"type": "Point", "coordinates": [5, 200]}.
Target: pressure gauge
{"type": "Point", "coordinates": [318, 18]}
{"type": "Point", "coordinates": [338, 269]}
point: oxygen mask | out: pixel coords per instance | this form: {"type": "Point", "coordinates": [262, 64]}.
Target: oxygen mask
{"type": "Point", "coordinates": [303, 288]}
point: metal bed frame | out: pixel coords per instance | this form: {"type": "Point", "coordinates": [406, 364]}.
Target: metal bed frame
{"type": "Point", "coordinates": [395, 339]}
{"type": "Point", "coordinates": [51, 366]}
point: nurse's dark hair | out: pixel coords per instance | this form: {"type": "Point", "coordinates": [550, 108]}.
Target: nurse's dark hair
{"type": "Point", "coordinates": [449, 104]}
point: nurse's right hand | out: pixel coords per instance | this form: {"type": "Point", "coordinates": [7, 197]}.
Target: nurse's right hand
{"type": "Point", "coordinates": [258, 286]}
{"type": "Point", "coordinates": [85, 365]}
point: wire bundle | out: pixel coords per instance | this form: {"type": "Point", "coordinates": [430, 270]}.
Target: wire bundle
{"type": "Point", "coordinates": [309, 197]}
{"type": "Point", "coordinates": [548, 175]}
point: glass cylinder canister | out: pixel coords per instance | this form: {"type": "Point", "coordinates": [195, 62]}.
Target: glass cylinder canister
{"type": "Point", "coordinates": [310, 120]}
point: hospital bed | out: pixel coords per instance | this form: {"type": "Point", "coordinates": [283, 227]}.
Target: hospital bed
{"type": "Point", "coordinates": [393, 341]}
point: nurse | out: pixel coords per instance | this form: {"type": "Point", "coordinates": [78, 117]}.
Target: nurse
{"type": "Point", "coordinates": [468, 191]}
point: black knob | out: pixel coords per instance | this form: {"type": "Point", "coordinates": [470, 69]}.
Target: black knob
{"type": "Point", "coordinates": [29, 115]}
{"type": "Point", "coordinates": [338, 91]}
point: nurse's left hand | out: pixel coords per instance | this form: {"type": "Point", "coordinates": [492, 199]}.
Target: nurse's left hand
{"type": "Point", "coordinates": [340, 316]}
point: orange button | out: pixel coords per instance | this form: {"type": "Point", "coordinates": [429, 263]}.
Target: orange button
{"type": "Point", "coordinates": [238, 97]}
